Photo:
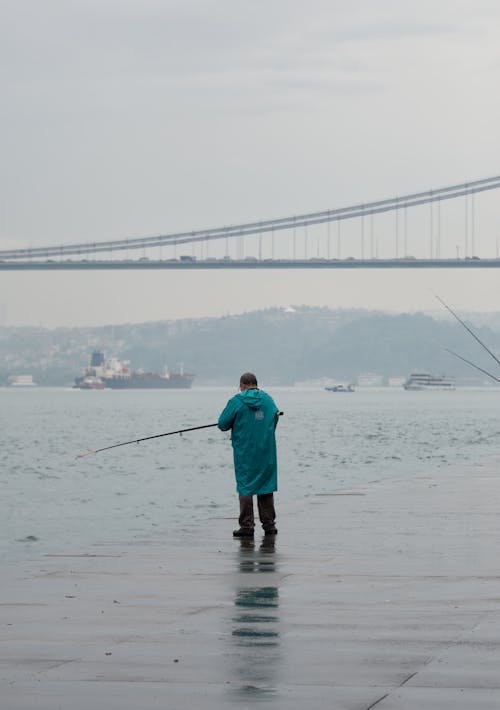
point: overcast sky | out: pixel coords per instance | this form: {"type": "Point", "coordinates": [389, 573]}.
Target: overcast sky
{"type": "Point", "coordinates": [136, 117]}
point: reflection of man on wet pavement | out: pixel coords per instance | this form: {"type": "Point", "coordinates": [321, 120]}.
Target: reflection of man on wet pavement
{"type": "Point", "coordinates": [256, 653]}
{"type": "Point", "coordinates": [252, 417]}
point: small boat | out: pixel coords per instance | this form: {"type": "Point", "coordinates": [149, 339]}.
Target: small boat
{"type": "Point", "coordinates": [418, 381]}
{"type": "Point", "coordinates": [340, 388]}
{"type": "Point", "coordinates": [90, 383]}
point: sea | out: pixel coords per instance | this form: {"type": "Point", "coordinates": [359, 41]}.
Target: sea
{"type": "Point", "coordinates": [53, 500]}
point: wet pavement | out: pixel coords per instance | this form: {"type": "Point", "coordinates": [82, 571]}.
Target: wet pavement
{"type": "Point", "coordinates": [386, 596]}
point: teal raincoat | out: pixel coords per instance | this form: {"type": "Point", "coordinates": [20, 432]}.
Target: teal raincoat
{"type": "Point", "coordinates": [252, 417]}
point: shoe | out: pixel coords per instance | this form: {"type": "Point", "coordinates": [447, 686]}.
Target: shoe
{"type": "Point", "coordinates": [271, 532]}
{"type": "Point", "coordinates": [242, 532]}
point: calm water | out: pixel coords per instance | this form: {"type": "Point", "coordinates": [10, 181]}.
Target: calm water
{"type": "Point", "coordinates": [50, 501]}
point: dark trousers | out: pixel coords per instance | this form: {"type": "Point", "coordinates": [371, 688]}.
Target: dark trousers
{"type": "Point", "coordinates": [265, 505]}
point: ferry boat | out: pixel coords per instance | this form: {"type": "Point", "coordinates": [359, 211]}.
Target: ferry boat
{"type": "Point", "coordinates": [116, 374]}
{"type": "Point", "coordinates": [424, 381]}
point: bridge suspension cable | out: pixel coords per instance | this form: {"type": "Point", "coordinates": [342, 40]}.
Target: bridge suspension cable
{"type": "Point", "coordinates": [270, 225]}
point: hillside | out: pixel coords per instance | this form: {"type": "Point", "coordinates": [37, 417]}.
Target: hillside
{"type": "Point", "coordinates": [281, 345]}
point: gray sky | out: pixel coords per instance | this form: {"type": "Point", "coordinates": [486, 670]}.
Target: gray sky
{"type": "Point", "coordinates": [129, 118]}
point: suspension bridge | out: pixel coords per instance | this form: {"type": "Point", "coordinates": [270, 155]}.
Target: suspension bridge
{"type": "Point", "coordinates": [408, 231]}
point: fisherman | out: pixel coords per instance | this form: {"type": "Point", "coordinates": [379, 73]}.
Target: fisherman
{"type": "Point", "coordinates": [252, 417]}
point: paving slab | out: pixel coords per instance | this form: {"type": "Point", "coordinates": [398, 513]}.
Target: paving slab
{"type": "Point", "coordinates": [383, 596]}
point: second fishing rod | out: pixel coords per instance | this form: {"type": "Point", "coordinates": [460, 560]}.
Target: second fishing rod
{"type": "Point", "coordinates": [476, 338]}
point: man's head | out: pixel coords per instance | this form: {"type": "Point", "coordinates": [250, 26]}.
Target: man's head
{"type": "Point", "coordinates": [248, 381]}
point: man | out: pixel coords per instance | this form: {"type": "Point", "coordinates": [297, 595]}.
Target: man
{"type": "Point", "coordinates": [252, 417]}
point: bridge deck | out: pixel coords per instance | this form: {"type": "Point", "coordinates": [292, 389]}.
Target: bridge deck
{"type": "Point", "coordinates": [145, 264]}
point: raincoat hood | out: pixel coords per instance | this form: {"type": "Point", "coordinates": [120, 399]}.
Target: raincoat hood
{"type": "Point", "coordinates": [252, 398]}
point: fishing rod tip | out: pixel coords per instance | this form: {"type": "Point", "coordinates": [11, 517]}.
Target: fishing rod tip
{"type": "Point", "coordinates": [87, 453]}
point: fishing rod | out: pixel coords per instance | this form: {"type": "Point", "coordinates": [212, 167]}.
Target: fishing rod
{"type": "Point", "coordinates": [146, 438]}
{"type": "Point", "coordinates": [469, 330]}
{"type": "Point", "coordinates": [472, 365]}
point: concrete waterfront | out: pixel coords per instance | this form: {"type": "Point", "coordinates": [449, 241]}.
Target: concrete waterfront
{"type": "Point", "coordinates": [385, 596]}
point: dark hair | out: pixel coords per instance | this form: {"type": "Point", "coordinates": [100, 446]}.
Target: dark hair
{"type": "Point", "coordinates": [248, 378]}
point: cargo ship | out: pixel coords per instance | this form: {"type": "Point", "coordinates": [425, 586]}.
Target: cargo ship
{"type": "Point", "coordinates": [116, 374]}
